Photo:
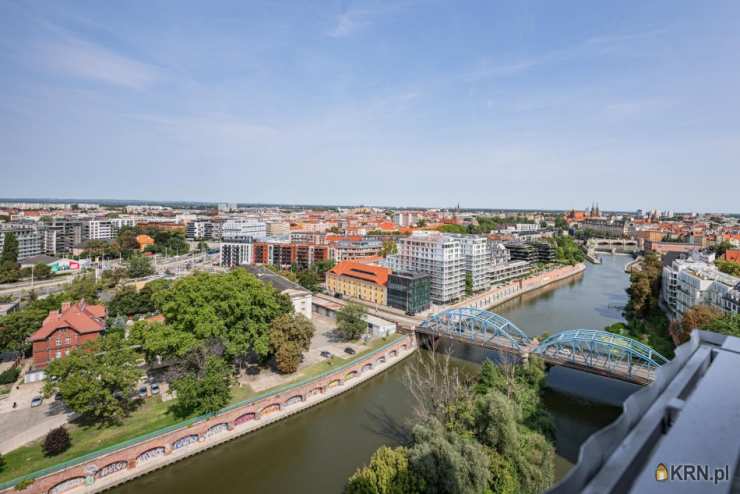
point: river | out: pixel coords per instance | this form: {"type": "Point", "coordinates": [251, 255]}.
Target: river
{"type": "Point", "coordinates": [317, 450]}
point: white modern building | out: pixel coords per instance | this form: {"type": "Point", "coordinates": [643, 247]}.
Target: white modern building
{"type": "Point", "coordinates": [477, 260]}
{"type": "Point", "coordinates": [97, 230]}
{"type": "Point", "coordinates": [696, 280]}
{"type": "Point", "coordinates": [441, 256]}
{"type": "Point", "coordinates": [236, 253]}
{"type": "Point", "coordinates": [243, 229]}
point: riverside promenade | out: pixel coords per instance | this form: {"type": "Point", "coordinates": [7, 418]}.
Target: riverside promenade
{"type": "Point", "coordinates": [102, 470]}
{"type": "Point", "coordinates": [503, 293]}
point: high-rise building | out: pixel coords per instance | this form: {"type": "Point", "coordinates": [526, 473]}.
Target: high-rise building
{"type": "Point", "coordinates": [438, 255]}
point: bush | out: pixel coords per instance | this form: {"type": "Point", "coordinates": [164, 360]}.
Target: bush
{"type": "Point", "coordinates": [10, 376]}
{"type": "Point", "coordinates": [57, 441]}
{"type": "Point", "coordinates": [2, 462]}
{"type": "Point", "coordinates": [24, 484]}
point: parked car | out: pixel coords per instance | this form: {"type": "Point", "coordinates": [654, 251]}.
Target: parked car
{"type": "Point", "coordinates": [155, 389]}
{"type": "Point", "coordinates": [37, 401]}
{"type": "Point", "coordinates": [350, 350]}
{"type": "Point", "coordinates": [142, 392]}
{"type": "Point", "coordinates": [326, 354]}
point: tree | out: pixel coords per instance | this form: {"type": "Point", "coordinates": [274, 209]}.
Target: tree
{"type": "Point", "coordinates": [309, 280]}
{"type": "Point", "coordinates": [421, 223]}
{"type": "Point", "coordinates": [728, 324]}
{"type": "Point", "coordinates": [390, 247]}
{"type": "Point", "coordinates": [204, 391]}
{"type": "Point", "coordinates": [235, 308]}
{"type": "Point", "coordinates": [9, 271]}
{"type": "Point", "coordinates": [10, 249]}
{"type": "Point", "coordinates": [644, 289]}
{"type": "Point", "coordinates": [729, 267]}
{"type": "Point", "coordinates": [290, 336]}
{"type": "Point", "coordinates": [560, 223]}
{"type": "Point", "coordinates": [351, 322]}
{"type": "Point", "coordinates": [139, 266]}
{"type": "Point", "coordinates": [16, 327]}
{"type": "Point", "coordinates": [697, 317]}
{"type": "Point", "coordinates": [161, 340]}
{"type": "Point", "coordinates": [128, 302]}
{"type": "Point", "coordinates": [448, 462]}
{"type": "Point", "coordinates": [57, 441]}
{"type": "Point", "coordinates": [96, 379]}
{"type": "Point", "coordinates": [387, 473]}
{"type": "Point", "coordinates": [42, 271]}
{"type": "Point", "coordinates": [2, 462]}
{"type": "Point", "coordinates": [722, 247]}
{"type": "Point", "coordinates": [468, 283]}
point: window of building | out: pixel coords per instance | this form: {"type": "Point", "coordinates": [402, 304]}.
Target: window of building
{"type": "Point", "coordinates": [59, 341]}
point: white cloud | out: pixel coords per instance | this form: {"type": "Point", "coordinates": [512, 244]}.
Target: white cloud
{"type": "Point", "coordinates": [349, 22]}
{"type": "Point", "coordinates": [85, 60]}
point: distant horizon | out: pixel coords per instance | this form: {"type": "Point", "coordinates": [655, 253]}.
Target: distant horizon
{"type": "Point", "coordinates": [133, 202]}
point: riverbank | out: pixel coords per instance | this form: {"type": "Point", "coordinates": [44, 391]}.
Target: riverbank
{"type": "Point", "coordinates": [500, 294]}
{"type": "Point", "coordinates": [120, 463]}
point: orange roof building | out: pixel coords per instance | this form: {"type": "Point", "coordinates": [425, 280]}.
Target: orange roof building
{"type": "Point", "coordinates": [65, 330]}
{"type": "Point", "coordinates": [353, 279]}
{"type": "Point", "coordinates": [144, 240]}
{"type": "Point", "coordinates": [732, 255]}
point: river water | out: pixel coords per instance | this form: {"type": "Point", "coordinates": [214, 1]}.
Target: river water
{"type": "Point", "coordinates": [317, 450]}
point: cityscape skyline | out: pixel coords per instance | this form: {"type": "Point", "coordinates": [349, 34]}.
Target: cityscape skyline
{"type": "Point", "coordinates": [534, 106]}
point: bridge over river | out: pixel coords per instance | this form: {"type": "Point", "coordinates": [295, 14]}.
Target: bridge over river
{"type": "Point", "coordinates": [590, 350]}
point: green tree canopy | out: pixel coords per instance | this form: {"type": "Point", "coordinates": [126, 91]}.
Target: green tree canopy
{"type": "Point", "coordinates": [204, 391]}
{"type": "Point", "coordinates": [351, 322]}
{"type": "Point", "coordinates": [97, 379]}
{"type": "Point", "coordinates": [140, 266]}
{"type": "Point", "coordinates": [290, 336]}
{"type": "Point", "coordinates": [128, 302]}
{"type": "Point", "coordinates": [235, 308]}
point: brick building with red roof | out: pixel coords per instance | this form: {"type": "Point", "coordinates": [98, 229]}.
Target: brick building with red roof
{"type": "Point", "coordinates": [66, 329]}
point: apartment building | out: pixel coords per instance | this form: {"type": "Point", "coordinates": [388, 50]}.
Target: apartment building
{"type": "Point", "coordinates": [441, 256]}
{"type": "Point", "coordinates": [243, 229]}
{"type": "Point", "coordinates": [97, 230]}
{"type": "Point", "coordinates": [696, 280]}
{"type": "Point", "coordinates": [202, 230]}
{"type": "Point", "coordinates": [68, 233]}
{"type": "Point", "coordinates": [236, 253]}
{"type": "Point", "coordinates": [344, 250]}
{"type": "Point", "coordinates": [361, 281]}
{"type": "Point", "coordinates": [477, 260]}
{"type": "Point", "coordinates": [286, 254]}
{"type": "Point", "coordinates": [607, 227]}
{"type": "Point", "coordinates": [30, 238]}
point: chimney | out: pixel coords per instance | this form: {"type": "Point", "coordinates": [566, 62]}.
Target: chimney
{"type": "Point", "coordinates": [65, 306]}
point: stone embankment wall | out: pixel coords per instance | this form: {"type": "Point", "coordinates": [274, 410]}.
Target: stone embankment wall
{"type": "Point", "coordinates": [118, 464]}
{"type": "Point", "coordinates": [500, 294]}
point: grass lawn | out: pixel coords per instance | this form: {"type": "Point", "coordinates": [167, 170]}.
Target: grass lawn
{"type": "Point", "coordinates": [150, 416]}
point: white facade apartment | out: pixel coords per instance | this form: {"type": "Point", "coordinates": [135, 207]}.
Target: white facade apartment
{"type": "Point", "coordinates": [246, 229]}
{"type": "Point", "coordinates": [441, 256]}
{"type": "Point", "coordinates": [30, 239]}
{"type": "Point", "coordinates": [97, 230]}
{"type": "Point", "coordinates": [477, 260]}
{"type": "Point", "coordinates": [118, 223]}
{"type": "Point", "coordinates": [236, 254]}
{"type": "Point", "coordinates": [696, 280]}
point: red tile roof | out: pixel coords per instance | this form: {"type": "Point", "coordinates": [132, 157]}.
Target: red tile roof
{"type": "Point", "coordinates": [365, 272]}
{"type": "Point", "coordinates": [80, 317]}
{"type": "Point", "coordinates": [732, 255]}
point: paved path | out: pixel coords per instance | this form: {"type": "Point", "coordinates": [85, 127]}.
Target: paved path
{"type": "Point", "coordinates": [22, 426]}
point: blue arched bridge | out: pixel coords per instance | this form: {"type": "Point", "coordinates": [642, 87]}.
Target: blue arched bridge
{"type": "Point", "coordinates": [591, 350]}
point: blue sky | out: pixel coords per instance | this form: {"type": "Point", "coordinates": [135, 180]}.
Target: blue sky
{"type": "Point", "coordinates": [489, 104]}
